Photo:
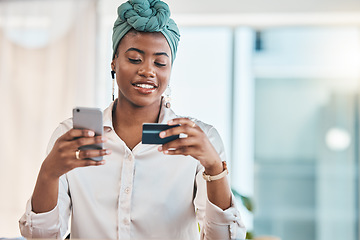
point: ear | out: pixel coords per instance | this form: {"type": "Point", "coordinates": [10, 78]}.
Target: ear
{"type": "Point", "coordinates": [113, 65]}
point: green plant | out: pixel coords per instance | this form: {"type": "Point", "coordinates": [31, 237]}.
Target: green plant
{"type": "Point", "coordinates": [248, 204]}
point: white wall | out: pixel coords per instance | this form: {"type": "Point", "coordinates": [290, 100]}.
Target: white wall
{"type": "Point", "coordinates": [254, 6]}
{"type": "Point", "coordinates": [256, 13]}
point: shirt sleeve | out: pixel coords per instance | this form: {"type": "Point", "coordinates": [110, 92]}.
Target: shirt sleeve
{"type": "Point", "coordinates": [40, 225]}
{"type": "Point", "coordinates": [214, 222]}
{"type": "Point", "coordinates": [221, 224]}
{"type": "Point", "coordinates": [52, 224]}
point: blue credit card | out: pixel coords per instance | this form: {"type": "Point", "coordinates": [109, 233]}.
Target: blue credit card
{"type": "Point", "coordinates": [150, 133]}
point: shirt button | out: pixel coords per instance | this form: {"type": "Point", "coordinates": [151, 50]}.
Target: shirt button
{"type": "Point", "coordinates": [125, 221]}
{"type": "Point", "coordinates": [127, 190]}
{"type": "Point", "coordinates": [129, 157]}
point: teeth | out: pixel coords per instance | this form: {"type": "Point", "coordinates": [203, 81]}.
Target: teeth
{"type": "Point", "coordinates": [147, 86]}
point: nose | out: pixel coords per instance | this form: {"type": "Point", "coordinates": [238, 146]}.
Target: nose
{"type": "Point", "coordinates": [147, 70]}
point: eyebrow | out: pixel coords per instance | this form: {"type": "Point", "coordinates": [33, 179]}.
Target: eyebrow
{"type": "Point", "coordinates": [161, 53]}
{"type": "Point", "coordinates": [142, 52]}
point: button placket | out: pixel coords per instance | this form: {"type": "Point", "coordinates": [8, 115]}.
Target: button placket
{"type": "Point", "coordinates": [125, 196]}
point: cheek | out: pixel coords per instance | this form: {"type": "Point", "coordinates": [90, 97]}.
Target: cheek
{"type": "Point", "coordinates": [164, 77]}
{"type": "Point", "coordinates": [124, 73]}
{"type": "Point", "coordinates": [122, 80]}
{"type": "Point", "coordinates": [125, 68]}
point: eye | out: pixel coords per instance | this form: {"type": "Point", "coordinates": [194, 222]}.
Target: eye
{"type": "Point", "coordinates": [160, 64]}
{"type": "Point", "coordinates": [133, 60]}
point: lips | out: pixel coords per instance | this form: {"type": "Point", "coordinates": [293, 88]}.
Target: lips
{"type": "Point", "coordinates": [145, 87]}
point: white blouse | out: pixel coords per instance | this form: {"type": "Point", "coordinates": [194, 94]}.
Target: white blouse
{"type": "Point", "coordinates": [138, 194]}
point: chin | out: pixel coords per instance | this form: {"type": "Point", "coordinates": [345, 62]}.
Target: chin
{"type": "Point", "coordinates": [141, 102]}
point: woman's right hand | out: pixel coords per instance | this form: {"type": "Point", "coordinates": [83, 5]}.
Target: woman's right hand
{"type": "Point", "coordinates": [62, 157]}
{"type": "Point", "coordinates": [61, 160]}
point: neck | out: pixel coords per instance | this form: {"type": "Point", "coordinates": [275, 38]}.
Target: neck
{"type": "Point", "coordinates": [126, 115]}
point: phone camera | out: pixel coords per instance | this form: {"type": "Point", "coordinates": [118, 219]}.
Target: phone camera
{"type": "Point", "coordinates": [78, 110]}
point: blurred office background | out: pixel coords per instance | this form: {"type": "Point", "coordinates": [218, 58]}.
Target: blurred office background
{"type": "Point", "coordinates": [278, 79]}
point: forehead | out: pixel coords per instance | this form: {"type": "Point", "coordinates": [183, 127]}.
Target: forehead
{"type": "Point", "coordinates": [151, 42]}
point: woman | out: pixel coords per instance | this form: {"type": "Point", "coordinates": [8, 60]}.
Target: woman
{"type": "Point", "coordinates": [143, 191]}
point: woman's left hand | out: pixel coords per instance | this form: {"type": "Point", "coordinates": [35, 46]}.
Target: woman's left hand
{"type": "Point", "coordinates": [196, 144]}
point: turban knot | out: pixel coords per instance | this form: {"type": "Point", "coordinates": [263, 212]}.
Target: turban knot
{"type": "Point", "coordinates": [146, 16]}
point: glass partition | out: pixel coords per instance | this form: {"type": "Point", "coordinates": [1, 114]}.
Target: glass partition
{"type": "Point", "coordinates": [306, 133]}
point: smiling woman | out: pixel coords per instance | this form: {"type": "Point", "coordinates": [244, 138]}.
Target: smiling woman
{"type": "Point", "coordinates": [142, 66]}
{"type": "Point", "coordinates": [140, 191]}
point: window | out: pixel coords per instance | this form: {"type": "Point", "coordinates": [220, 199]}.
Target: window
{"type": "Point", "coordinates": [285, 102]}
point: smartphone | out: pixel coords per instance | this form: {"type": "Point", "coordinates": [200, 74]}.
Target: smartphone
{"type": "Point", "coordinates": [92, 119]}
{"type": "Point", "coordinates": [150, 133]}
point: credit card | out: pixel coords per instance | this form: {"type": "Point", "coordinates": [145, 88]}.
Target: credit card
{"type": "Point", "coordinates": [150, 133]}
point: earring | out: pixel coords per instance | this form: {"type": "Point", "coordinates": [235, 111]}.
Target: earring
{"type": "Point", "coordinates": [167, 97]}
{"type": "Point", "coordinates": [113, 84]}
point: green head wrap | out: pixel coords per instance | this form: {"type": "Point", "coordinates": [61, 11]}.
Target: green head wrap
{"type": "Point", "coordinates": [146, 16]}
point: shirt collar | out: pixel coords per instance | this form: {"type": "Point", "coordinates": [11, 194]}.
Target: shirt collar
{"type": "Point", "coordinates": [107, 116]}
{"type": "Point", "coordinates": [166, 114]}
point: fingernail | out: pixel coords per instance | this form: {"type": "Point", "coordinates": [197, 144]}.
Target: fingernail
{"type": "Point", "coordinates": [170, 122]}
{"type": "Point", "coordinates": [162, 134]}
{"type": "Point", "coordinates": [108, 151]}
{"type": "Point", "coordinates": [103, 139]}
{"type": "Point", "coordinates": [91, 133]}
{"type": "Point", "coordinates": [160, 149]}
{"type": "Point", "coordinates": [166, 152]}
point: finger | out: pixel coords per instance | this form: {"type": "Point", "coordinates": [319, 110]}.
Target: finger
{"type": "Point", "coordinates": [76, 143]}
{"type": "Point", "coordinates": [83, 154]}
{"type": "Point", "coordinates": [76, 133]}
{"type": "Point", "coordinates": [79, 142]}
{"type": "Point", "coordinates": [180, 151]}
{"type": "Point", "coordinates": [86, 154]}
{"type": "Point", "coordinates": [184, 128]}
{"type": "Point", "coordinates": [87, 163]}
{"type": "Point", "coordinates": [182, 121]}
{"type": "Point", "coordinates": [178, 143]}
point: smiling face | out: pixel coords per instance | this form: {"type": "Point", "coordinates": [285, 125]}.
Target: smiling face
{"type": "Point", "coordinates": [143, 66]}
